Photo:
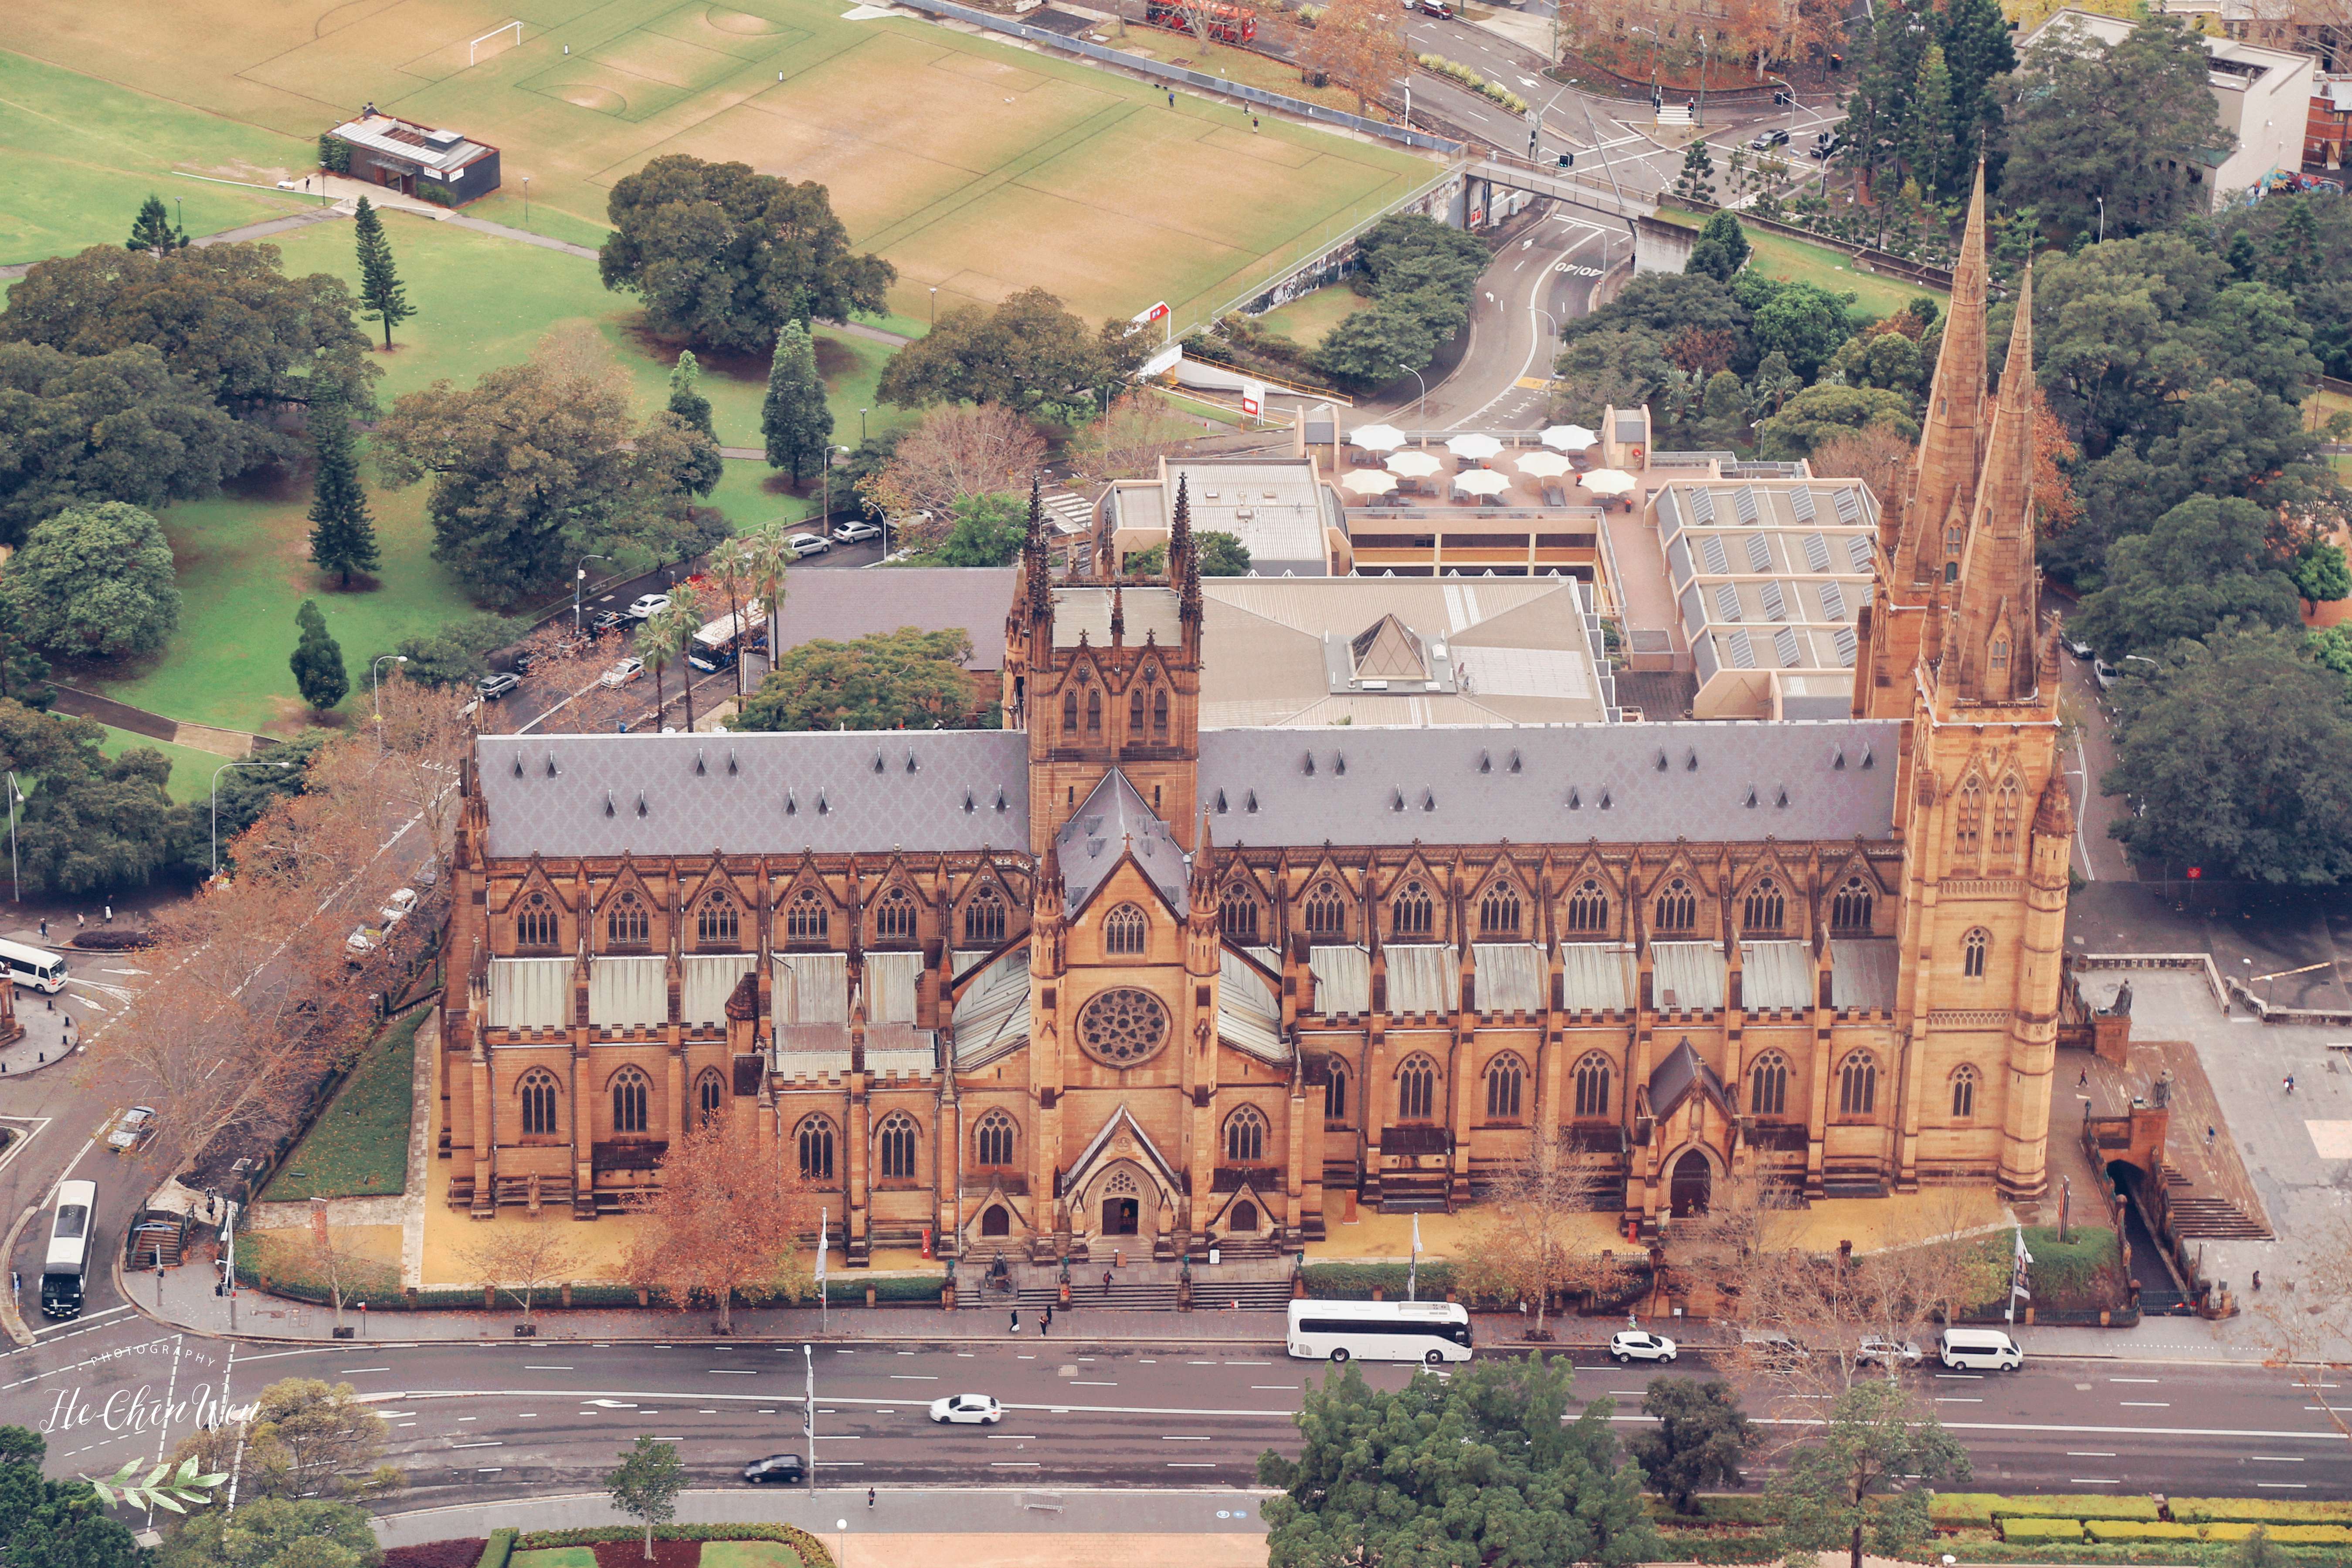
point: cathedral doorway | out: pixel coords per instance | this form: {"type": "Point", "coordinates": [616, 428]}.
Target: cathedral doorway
{"type": "Point", "coordinates": [1693, 1180]}
{"type": "Point", "coordinates": [1120, 1215]}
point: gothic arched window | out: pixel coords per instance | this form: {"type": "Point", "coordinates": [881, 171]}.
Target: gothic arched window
{"type": "Point", "coordinates": [1767, 1085]}
{"type": "Point", "coordinates": [1124, 929]}
{"type": "Point", "coordinates": [1678, 908]}
{"type": "Point", "coordinates": [1159, 712]}
{"type": "Point", "coordinates": [993, 1139]}
{"type": "Point", "coordinates": [710, 1095]}
{"type": "Point", "coordinates": [1237, 914]}
{"type": "Point", "coordinates": [806, 918]}
{"type": "Point", "coordinates": [2006, 805]}
{"type": "Point", "coordinates": [1766, 907]}
{"type": "Point", "coordinates": [1069, 710]}
{"type": "Point", "coordinates": [632, 1094]}
{"type": "Point", "coordinates": [1592, 1086]}
{"type": "Point", "coordinates": [1858, 1085]}
{"type": "Point", "coordinates": [1498, 911]}
{"type": "Point", "coordinates": [1507, 1078]}
{"type": "Point", "coordinates": [1973, 948]}
{"type": "Point", "coordinates": [1588, 906]}
{"type": "Point", "coordinates": [1416, 1089]}
{"type": "Point", "coordinates": [983, 919]}
{"type": "Point", "coordinates": [535, 924]}
{"type": "Point", "coordinates": [1849, 907]}
{"type": "Point", "coordinates": [1964, 1092]}
{"type": "Point", "coordinates": [718, 922]}
{"type": "Point", "coordinates": [1335, 1095]}
{"type": "Point", "coordinates": [539, 1092]}
{"type": "Point", "coordinates": [626, 924]}
{"type": "Point", "coordinates": [894, 917]}
{"type": "Point", "coordinates": [815, 1138]}
{"type": "Point", "coordinates": [894, 1147]}
{"type": "Point", "coordinates": [1411, 913]}
{"type": "Point", "coordinates": [1326, 913]}
{"type": "Point", "coordinates": [1245, 1136]}
{"type": "Point", "coordinates": [1094, 711]}
{"type": "Point", "coordinates": [1967, 819]}
{"type": "Point", "coordinates": [1135, 711]}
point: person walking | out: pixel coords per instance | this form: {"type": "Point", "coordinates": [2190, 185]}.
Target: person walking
{"type": "Point", "coordinates": [2209, 1136]}
{"type": "Point", "coordinates": [1047, 1321]}
{"type": "Point", "coordinates": [869, 1497]}
{"type": "Point", "coordinates": [2258, 1280]}
{"type": "Point", "coordinates": [109, 912]}
{"type": "Point", "coordinates": [1105, 1283]}
{"type": "Point", "coordinates": [1046, 1324]}
{"type": "Point", "coordinates": [1016, 1319]}
{"type": "Point", "coordinates": [2290, 1083]}
{"type": "Point", "coordinates": [81, 920]}
{"type": "Point", "coordinates": [45, 928]}
{"type": "Point", "coordinates": [1171, 98]}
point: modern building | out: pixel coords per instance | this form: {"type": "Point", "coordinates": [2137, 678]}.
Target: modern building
{"type": "Point", "coordinates": [418, 160]}
{"type": "Point", "coordinates": [1153, 966]}
{"type": "Point", "coordinates": [2327, 128]}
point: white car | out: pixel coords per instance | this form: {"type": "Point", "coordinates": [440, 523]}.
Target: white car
{"type": "Point", "coordinates": [361, 941]}
{"type": "Point", "coordinates": [808, 544]}
{"type": "Point", "coordinates": [2106, 674]}
{"type": "Point", "coordinates": [132, 1129]}
{"type": "Point", "coordinates": [967, 1410]}
{"type": "Point", "coordinates": [1886, 1352]}
{"type": "Point", "coordinates": [857, 533]}
{"type": "Point", "coordinates": [1633, 1344]}
{"type": "Point", "coordinates": [622, 673]}
{"type": "Point", "coordinates": [645, 607]}
{"type": "Point", "coordinates": [399, 907]}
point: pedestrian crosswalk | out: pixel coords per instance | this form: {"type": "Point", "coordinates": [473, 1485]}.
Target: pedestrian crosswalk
{"type": "Point", "coordinates": [1674, 114]}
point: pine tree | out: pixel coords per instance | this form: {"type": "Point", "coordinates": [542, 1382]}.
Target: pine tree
{"type": "Point", "coordinates": [1938, 134]}
{"type": "Point", "coordinates": [685, 401]}
{"type": "Point", "coordinates": [153, 231]}
{"type": "Point", "coordinates": [343, 536]}
{"type": "Point", "coordinates": [794, 418]}
{"type": "Point", "coordinates": [1979, 54]}
{"type": "Point", "coordinates": [1696, 182]}
{"type": "Point", "coordinates": [24, 673]}
{"type": "Point", "coordinates": [381, 289]}
{"type": "Point", "coordinates": [318, 661]}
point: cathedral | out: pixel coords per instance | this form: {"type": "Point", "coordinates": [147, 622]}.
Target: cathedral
{"type": "Point", "coordinates": [1112, 975]}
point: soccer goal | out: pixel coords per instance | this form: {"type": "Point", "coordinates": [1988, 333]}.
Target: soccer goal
{"type": "Point", "coordinates": [472, 50]}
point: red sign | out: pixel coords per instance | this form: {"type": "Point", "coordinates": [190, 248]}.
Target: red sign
{"type": "Point", "coordinates": [2195, 872]}
{"type": "Point", "coordinates": [1157, 313]}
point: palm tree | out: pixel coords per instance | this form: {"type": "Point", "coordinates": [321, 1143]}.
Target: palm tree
{"type": "Point", "coordinates": [731, 566]}
{"type": "Point", "coordinates": [680, 623]}
{"type": "Point", "coordinates": [654, 647]}
{"type": "Point", "coordinates": [772, 565]}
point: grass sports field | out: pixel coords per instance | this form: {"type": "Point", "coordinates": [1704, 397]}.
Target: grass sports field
{"type": "Point", "coordinates": [977, 167]}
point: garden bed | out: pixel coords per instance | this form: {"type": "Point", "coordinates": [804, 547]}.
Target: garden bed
{"type": "Point", "coordinates": [359, 1145]}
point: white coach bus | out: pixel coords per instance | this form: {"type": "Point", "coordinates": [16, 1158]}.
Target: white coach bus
{"type": "Point", "coordinates": [30, 966]}
{"type": "Point", "coordinates": [1428, 1331]}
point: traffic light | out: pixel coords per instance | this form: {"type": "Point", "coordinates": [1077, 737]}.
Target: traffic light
{"type": "Point", "coordinates": [1567, 160]}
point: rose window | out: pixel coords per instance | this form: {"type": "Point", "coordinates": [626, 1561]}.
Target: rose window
{"type": "Point", "coordinates": [1122, 1027]}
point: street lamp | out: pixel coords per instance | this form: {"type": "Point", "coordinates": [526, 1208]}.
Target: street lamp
{"type": "Point", "coordinates": [526, 201]}
{"type": "Point", "coordinates": [2102, 215]}
{"type": "Point", "coordinates": [1423, 415]}
{"type": "Point", "coordinates": [935, 304]}
{"type": "Point", "coordinates": [808, 1413]}
{"type": "Point", "coordinates": [579, 575]}
{"type": "Point", "coordinates": [861, 425]}
{"type": "Point", "coordinates": [824, 518]}
{"type": "Point", "coordinates": [217, 773]}
{"type": "Point", "coordinates": [16, 799]}
{"type": "Point", "coordinates": [376, 691]}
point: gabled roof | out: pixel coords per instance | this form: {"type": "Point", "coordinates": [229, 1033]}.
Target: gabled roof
{"type": "Point", "coordinates": [1112, 824]}
{"type": "Point", "coordinates": [1388, 650]}
{"type": "Point", "coordinates": [1083, 1166]}
{"type": "Point", "coordinates": [1683, 1074]}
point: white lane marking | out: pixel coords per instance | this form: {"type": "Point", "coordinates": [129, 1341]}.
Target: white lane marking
{"type": "Point", "coordinates": [1012, 1464]}
{"type": "Point", "coordinates": [729, 1372]}
{"type": "Point", "coordinates": [1272, 1387]}
{"type": "Point", "coordinates": [2275, 1459]}
{"type": "Point", "coordinates": [2093, 1481]}
{"type": "Point", "coordinates": [1081, 1382]}
{"type": "Point", "coordinates": [2088, 1453]}
{"type": "Point", "coordinates": [490, 1443]}
{"type": "Point", "coordinates": [2135, 1380]}
{"type": "Point", "coordinates": [913, 1377]}
{"type": "Point", "coordinates": [1192, 1464]}
{"type": "Point", "coordinates": [2281, 1486]}
{"type": "Point", "coordinates": [1165, 1438]}
{"type": "Point", "coordinates": [83, 1322]}
{"type": "Point", "coordinates": [2147, 1403]}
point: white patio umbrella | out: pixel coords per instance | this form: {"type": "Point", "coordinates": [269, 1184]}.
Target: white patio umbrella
{"type": "Point", "coordinates": [1377, 438]}
{"type": "Point", "coordinates": [1370, 482]}
{"type": "Point", "coordinates": [1543, 465]}
{"type": "Point", "coordinates": [1477, 448]}
{"type": "Point", "coordinates": [1609, 481]}
{"type": "Point", "coordinates": [1481, 482]}
{"type": "Point", "coordinates": [1413, 465]}
{"type": "Point", "coordinates": [1569, 438]}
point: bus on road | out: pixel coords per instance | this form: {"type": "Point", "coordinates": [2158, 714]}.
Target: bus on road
{"type": "Point", "coordinates": [1427, 1331]}
{"type": "Point", "coordinates": [718, 645]}
{"type": "Point", "coordinates": [35, 968]}
{"type": "Point", "coordinates": [67, 1263]}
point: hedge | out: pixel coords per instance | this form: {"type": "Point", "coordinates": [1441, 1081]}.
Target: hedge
{"type": "Point", "coordinates": [2285, 1534]}
{"type": "Point", "coordinates": [1356, 1281]}
{"type": "Point", "coordinates": [1718, 1546]}
{"type": "Point", "coordinates": [813, 1552]}
{"type": "Point", "coordinates": [1956, 1510]}
{"type": "Point", "coordinates": [500, 1548]}
{"type": "Point", "coordinates": [2133, 1529]}
{"type": "Point", "coordinates": [886, 1288]}
{"type": "Point", "coordinates": [2260, 1510]}
{"type": "Point", "coordinates": [2042, 1529]}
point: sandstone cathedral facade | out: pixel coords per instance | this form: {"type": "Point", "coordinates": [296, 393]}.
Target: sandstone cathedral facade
{"type": "Point", "coordinates": [1108, 975]}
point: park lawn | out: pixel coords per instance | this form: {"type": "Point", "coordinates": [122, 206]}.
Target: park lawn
{"type": "Point", "coordinates": [192, 770]}
{"type": "Point", "coordinates": [81, 154]}
{"type": "Point", "coordinates": [1306, 320]}
{"type": "Point", "coordinates": [1777, 256]}
{"type": "Point", "coordinates": [556, 1557]}
{"type": "Point", "coordinates": [482, 301]}
{"type": "Point", "coordinates": [359, 1146]}
{"type": "Point", "coordinates": [749, 1554]}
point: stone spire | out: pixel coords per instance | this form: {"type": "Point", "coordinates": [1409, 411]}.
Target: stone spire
{"type": "Point", "coordinates": [1038, 586]}
{"type": "Point", "coordinates": [1185, 560]}
{"type": "Point", "coordinates": [1997, 614]}
{"type": "Point", "coordinates": [1942, 484]}
{"type": "Point", "coordinates": [1118, 614]}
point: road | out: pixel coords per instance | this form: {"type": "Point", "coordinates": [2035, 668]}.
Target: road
{"type": "Point", "coordinates": [473, 1423]}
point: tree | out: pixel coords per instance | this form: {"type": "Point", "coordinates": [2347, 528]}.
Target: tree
{"type": "Point", "coordinates": [958, 449]}
{"type": "Point", "coordinates": [535, 463]}
{"type": "Point", "coordinates": [95, 582]}
{"type": "Point", "coordinates": [987, 532]}
{"type": "Point", "coordinates": [111, 426]}
{"type": "Point", "coordinates": [59, 1523]}
{"type": "Point", "coordinates": [24, 674]}
{"type": "Point", "coordinates": [1668, 303]}
{"type": "Point", "coordinates": [92, 822]}
{"type": "Point", "coordinates": [275, 1532]}
{"type": "Point", "coordinates": [2090, 122]}
{"type": "Point", "coordinates": [1623, 367]}
{"type": "Point", "coordinates": [1722, 247]}
{"type": "Point", "coordinates": [1527, 1243]}
{"type": "Point", "coordinates": [908, 678]}
{"type": "Point", "coordinates": [1805, 322]}
{"type": "Point", "coordinates": [1871, 1471]}
{"type": "Point", "coordinates": [1136, 431]}
{"type": "Point", "coordinates": [1820, 412]}
{"type": "Point", "coordinates": [727, 1222]}
{"type": "Point", "coordinates": [453, 655]}
{"type": "Point", "coordinates": [1374, 347]}
{"type": "Point", "coordinates": [1876, 454]}
{"type": "Point", "coordinates": [1222, 554]}
{"type": "Point", "coordinates": [307, 1438]}
{"type": "Point", "coordinates": [693, 410]}
{"type": "Point", "coordinates": [1027, 353]}
{"type": "Point", "coordinates": [523, 1260]}
{"type": "Point", "coordinates": [646, 1484]}
{"type": "Point", "coordinates": [724, 256]}
{"type": "Point", "coordinates": [772, 560]}
{"type": "Point", "coordinates": [1483, 1469]}
{"type": "Point", "coordinates": [2237, 755]}
{"type": "Point", "coordinates": [343, 535]}
{"type": "Point", "coordinates": [381, 289]}
{"type": "Point", "coordinates": [318, 661]}
{"type": "Point", "coordinates": [794, 418]}
{"type": "Point", "coordinates": [2256, 1550]}
{"type": "Point", "coordinates": [152, 231]}
{"type": "Point", "coordinates": [1359, 45]}
{"type": "Point", "coordinates": [2206, 562]}
{"type": "Point", "coordinates": [1701, 1440]}
{"type": "Point", "coordinates": [224, 316]}
{"type": "Point", "coordinates": [2319, 573]}
{"type": "Point", "coordinates": [1696, 183]}
{"type": "Point", "coordinates": [731, 565]}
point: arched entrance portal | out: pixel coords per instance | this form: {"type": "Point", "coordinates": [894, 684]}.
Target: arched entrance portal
{"type": "Point", "coordinates": [1120, 1216]}
{"type": "Point", "coordinates": [1693, 1179]}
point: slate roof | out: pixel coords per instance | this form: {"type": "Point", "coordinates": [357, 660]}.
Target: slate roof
{"type": "Point", "coordinates": [688, 794]}
{"type": "Point", "coordinates": [1113, 821]}
{"type": "Point", "coordinates": [1552, 783]}
{"type": "Point", "coordinates": [1683, 1074]}
{"type": "Point", "coordinates": [852, 604]}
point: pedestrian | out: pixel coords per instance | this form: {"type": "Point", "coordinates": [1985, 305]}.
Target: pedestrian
{"type": "Point", "coordinates": [869, 1497]}
{"type": "Point", "coordinates": [2258, 1280]}
{"type": "Point", "coordinates": [2290, 1083]}
{"type": "Point", "coordinates": [1106, 1281]}
{"type": "Point", "coordinates": [2083, 1081]}
{"type": "Point", "coordinates": [81, 920]}
{"type": "Point", "coordinates": [1016, 1319]}
{"type": "Point", "coordinates": [53, 1004]}
{"type": "Point", "coordinates": [1253, 124]}
{"type": "Point", "coordinates": [45, 928]}
{"type": "Point", "coordinates": [2209, 1136]}
{"type": "Point", "coordinates": [1171, 98]}
{"type": "Point", "coordinates": [1045, 1326]}
{"type": "Point", "coordinates": [110, 913]}
{"type": "Point", "coordinates": [1049, 1315]}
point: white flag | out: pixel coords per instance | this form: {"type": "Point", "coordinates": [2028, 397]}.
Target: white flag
{"type": "Point", "coordinates": [821, 1239]}
{"type": "Point", "coordinates": [1416, 1236]}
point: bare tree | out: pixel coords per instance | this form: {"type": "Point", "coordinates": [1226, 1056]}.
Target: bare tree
{"type": "Point", "coordinates": [1875, 453]}
{"type": "Point", "coordinates": [522, 1260]}
{"type": "Point", "coordinates": [726, 1222]}
{"type": "Point", "coordinates": [958, 450]}
{"type": "Point", "coordinates": [315, 1258]}
{"type": "Point", "coordinates": [1359, 44]}
{"type": "Point", "coordinates": [425, 735]}
{"type": "Point", "coordinates": [1533, 1238]}
{"type": "Point", "coordinates": [1128, 441]}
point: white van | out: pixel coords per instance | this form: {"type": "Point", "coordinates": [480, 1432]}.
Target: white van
{"type": "Point", "coordinates": [1982, 1350]}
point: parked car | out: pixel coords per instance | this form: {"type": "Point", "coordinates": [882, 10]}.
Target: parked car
{"type": "Point", "coordinates": [1769, 1347]}
{"type": "Point", "coordinates": [967, 1410]}
{"type": "Point", "coordinates": [398, 907]}
{"type": "Point", "coordinates": [645, 607]}
{"type": "Point", "coordinates": [495, 686]}
{"type": "Point", "coordinates": [857, 533]}
{"type": "Point", "coordinates": [2106, 674]}
{"type": "Point", "coordinates": [1887, 1352]}
{"type": "Point", "coordinates": [607, 621]}
{"type": "Point", "coordinates": [1633, 1344]}
{"type": "Point", "coordinates": [806, 544]}
{"type": "Point", "coordinates": [2075, 645]}
{"type": "Point", "coordinates": [429, 874]}
{"type": "Point", "coordinates": [363, 940]}
{"type": "Point", "coordinates": [132, 1128]}
{"type": "Point", "coordinates": [622, 673]}
{"type": "Point", "coordinates": [785, 1469]}
{"type": "Point", "coordinates": [1440, 9]}
{"type": "Point", "coordinates": [1765, 140]}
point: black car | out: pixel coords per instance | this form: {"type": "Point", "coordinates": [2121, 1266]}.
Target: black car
{"type": "Point", "coordinates": [1766, 140]}
{"type": "Point", "coordinates": [493, 687]}
{"type": "Point", "coordinates": [607, 621]}
{"type": "Point", "coordinates": [784, 1468]}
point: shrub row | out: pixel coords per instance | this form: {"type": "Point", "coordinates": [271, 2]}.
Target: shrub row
{"type": "Point", "coordinates": [1718, 1546]}
{"type": "Point", "coordinates": [1357, 1281]}
{"type": "Point", "coordinates": [1475, 82]}
{"type": "Point", "coordinates": [811, 1551]}
{"type": "Point", "coordinates": [2042, 1529]}
{"type": "Point", "coordinates": [2260, 1510]}
{"type": "Point", "coordinates": [499, 1547]}
{"type": "Point", "coordinates": [1958, 1510]}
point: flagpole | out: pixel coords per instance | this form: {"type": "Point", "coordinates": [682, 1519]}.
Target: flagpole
{"type": "Point", "coordinates": [1412, 1269]}
{"type": "Point", "coordinates": [823, 1319]}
